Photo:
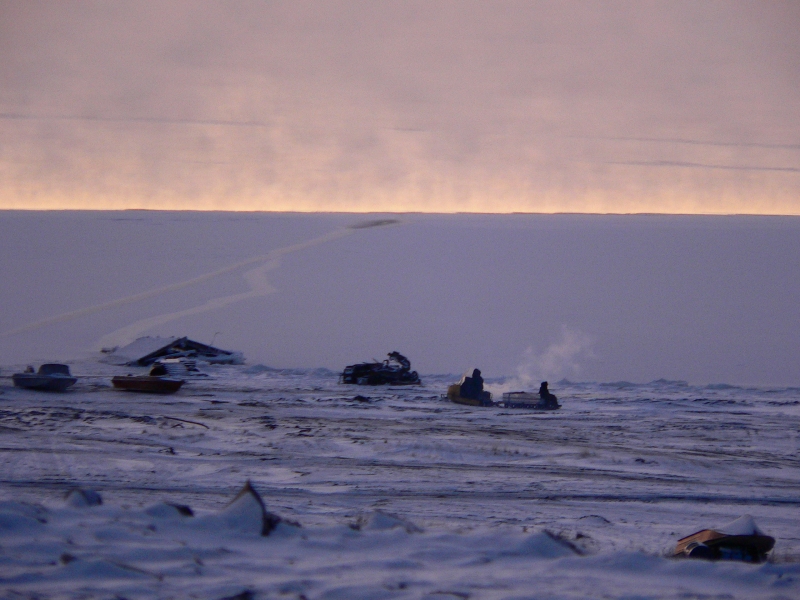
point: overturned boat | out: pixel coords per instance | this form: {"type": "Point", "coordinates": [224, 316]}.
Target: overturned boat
{"type": "Point", "coordinates": [396, 370]}
{"type": "Point", "coordinates": [738, 540]}
{"type": "Point", "coordinates": [50, 377]}
{"type": "Point", "coordinates": [528, 400]}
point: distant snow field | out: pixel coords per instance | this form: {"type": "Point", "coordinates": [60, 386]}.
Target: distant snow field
{"type": "Point", "coordinates": [588, 297]}
{"type": "Point", "coordinates": [400, 493]}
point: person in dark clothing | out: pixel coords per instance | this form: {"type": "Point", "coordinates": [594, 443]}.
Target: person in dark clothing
{"type": "Point", "coordinates": [158, 370]}
{"type": "Point", "coordinates": [405, 364]}
{"type": "Point", "coordinates": [473, 386]}
{"type": "Point", "coordinates": [477, 380]}
{"type": "Point", "coordinates": [550, 401]}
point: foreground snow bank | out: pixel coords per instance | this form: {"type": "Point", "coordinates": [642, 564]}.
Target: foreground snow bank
{"type": "Point", "coordinates": [93, 550]}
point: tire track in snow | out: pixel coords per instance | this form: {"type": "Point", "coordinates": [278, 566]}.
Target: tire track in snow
{"type": "Point", "coordinates": [255, 278]}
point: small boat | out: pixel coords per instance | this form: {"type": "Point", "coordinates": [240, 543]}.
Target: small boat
{"type": "Point", "coordinates": [50, 377]}
{"type": "Point", "coordinates": [157, 382]}
{"type": "Point", "coordinates": [527, 400]}
{"type": "Point", "coordinates": [146, 384]}
{"type": "Point", "coordinates": [739, 540]}
{"type": "Point", "coordinates": [154, 383]}
{"type": "Point", "coordinates": [454, 394]}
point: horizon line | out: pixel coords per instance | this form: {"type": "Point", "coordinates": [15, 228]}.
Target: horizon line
{"type": "Point", "coordinates": [410, 212]}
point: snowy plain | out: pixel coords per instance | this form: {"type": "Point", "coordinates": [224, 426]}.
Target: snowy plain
{"type": "Point", "coordinates": [399, 493]}
{"type": "Point", "coordinates": [402, 494]}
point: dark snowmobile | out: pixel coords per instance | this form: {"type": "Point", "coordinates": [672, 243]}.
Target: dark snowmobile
{"type": "Point", "coordinates": [396, 370]}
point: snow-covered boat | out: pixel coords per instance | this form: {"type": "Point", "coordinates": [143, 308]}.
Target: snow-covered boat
{"type": "Point", "coordinates": [527, 400]}
{"type": "Point", "coordinates": [739, 540]}
{"type": "Point", "coordinates": [50, 377]}
{"type": "Point", "coordinates": [147, 384]}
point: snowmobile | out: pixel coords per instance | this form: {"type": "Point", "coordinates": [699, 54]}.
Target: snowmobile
{"type": "Point", "coordinates": [396, 370]}
{"type": "Point", "coordinates": [454, 393]}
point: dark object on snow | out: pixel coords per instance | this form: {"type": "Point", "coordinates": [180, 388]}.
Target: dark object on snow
{"type": "Point", "coordinates": [147, 350]}
{"type": "Point", "coordinates": [470, 391]}
{"type": "Point", "coordinates": [472, 387]}
{"type": "Point", "coordinates": [183, 509]}
{"type": "Point", "coordinates": [154, 383]}
{"type": "Point", "coordinates": [169, 510]}
{"type": "Point", "coordinates": [527, 400]}
{"type": "Point", "coordinates": [549, 400]}
{"type": "Point", "coordinates": [739, 540]}
{"type": "Point", "coordinates": [396, 370]}
{"type": "Point", "coordinates": [245, 595]}
{"type": "Point", "coordinates": [158, 370]}
{"type": "Point", "coordinates": [50, 378]}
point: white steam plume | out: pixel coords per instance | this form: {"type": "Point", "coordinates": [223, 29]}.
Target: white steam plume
{"type": "Point", "coordinates": [560, 359]}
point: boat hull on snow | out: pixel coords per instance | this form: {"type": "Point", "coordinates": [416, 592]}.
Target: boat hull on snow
{"type": "Point", "coordinates": [713, 545]}
{"type": "Point", "coordinates": [147, 384]}
{"type": "Point", "coordinates": [739, 540]}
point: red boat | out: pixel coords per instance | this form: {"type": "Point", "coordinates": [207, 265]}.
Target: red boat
{"type": "Point", "coordinates": [147, 384]}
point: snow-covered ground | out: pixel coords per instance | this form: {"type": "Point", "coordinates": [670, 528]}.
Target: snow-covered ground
{"type": "Point", "coordinates": [399, 495]}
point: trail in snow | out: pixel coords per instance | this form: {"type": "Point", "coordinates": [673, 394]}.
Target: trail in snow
{"type": "Point", "coordinates": [255, 278]}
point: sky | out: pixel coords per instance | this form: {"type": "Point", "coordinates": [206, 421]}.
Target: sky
{"type": "Point", "coordinates": [429, 106]}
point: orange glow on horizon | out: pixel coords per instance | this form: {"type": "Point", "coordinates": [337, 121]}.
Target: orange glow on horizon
{"type": "Point", "coordinates": [493, 201]}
